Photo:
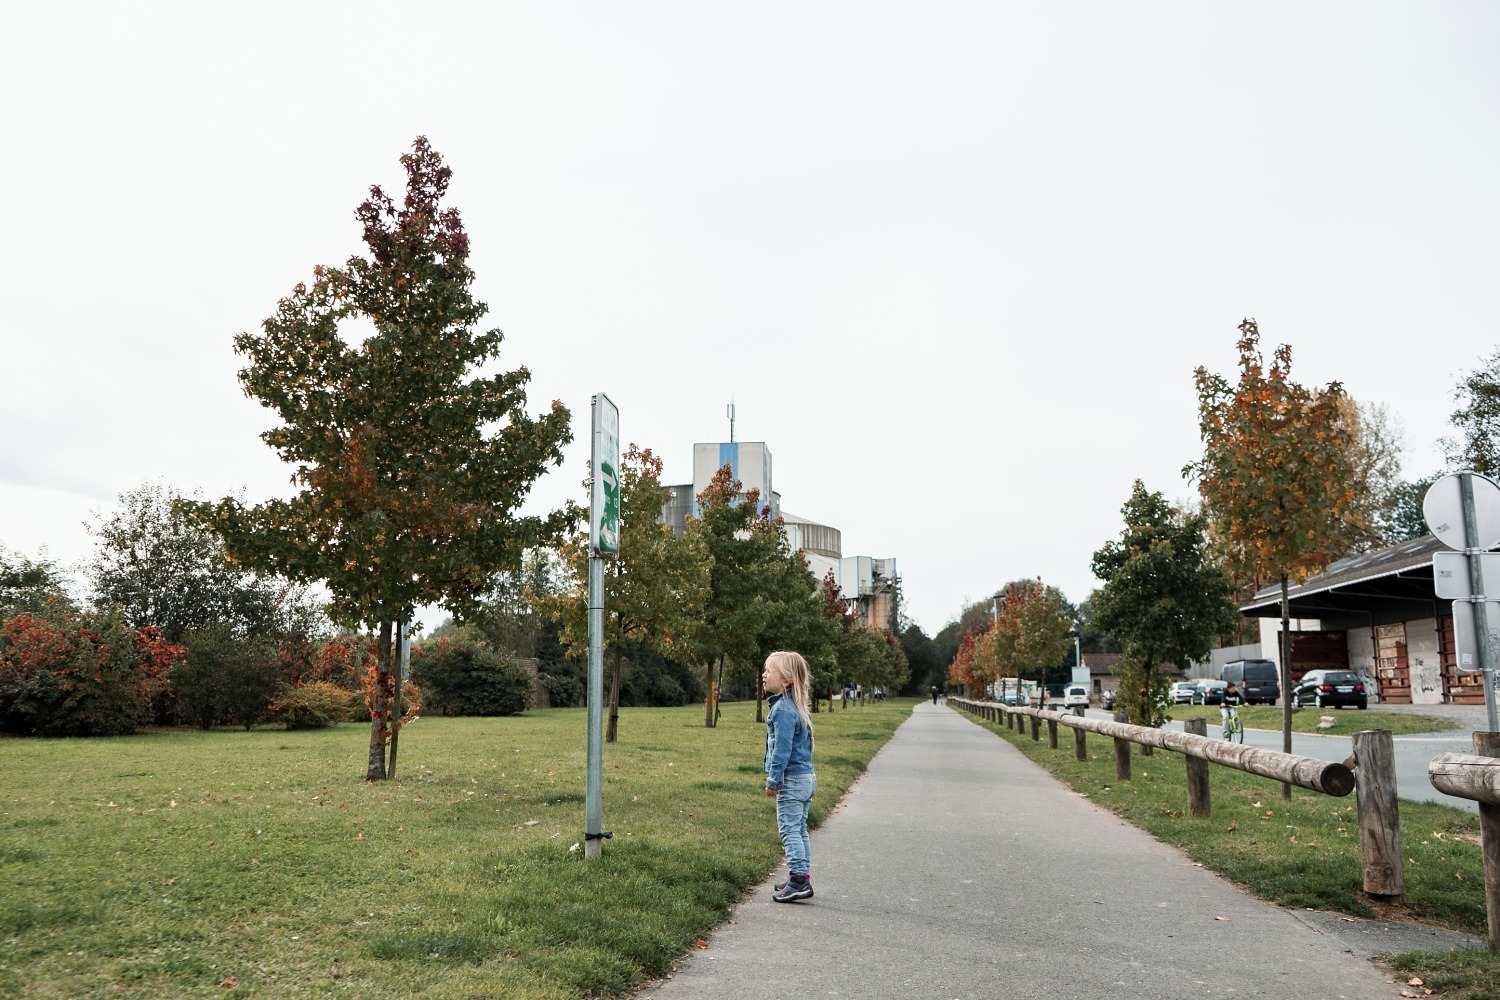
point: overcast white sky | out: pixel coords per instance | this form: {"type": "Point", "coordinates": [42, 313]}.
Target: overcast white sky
{"type": "Point", "coordinates": [955, 262]}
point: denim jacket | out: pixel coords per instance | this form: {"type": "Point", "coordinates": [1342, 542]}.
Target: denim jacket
{"type": "Point", "coordinates": [788, 742]}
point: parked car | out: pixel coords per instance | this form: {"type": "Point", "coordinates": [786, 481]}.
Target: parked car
{"type": "Point", "coordinates": [1075, 696]}
{"type": "Point", "coordinates": [1256, 679]}
{"type": "Point", "coordinates": [1011, 698]}
{"type": "Point", "coordinates": [1207, 692]}
{"type": "Point", "coordinates": [1330, 689]}
{"type": "Point", "coordinates": [1182, 693]}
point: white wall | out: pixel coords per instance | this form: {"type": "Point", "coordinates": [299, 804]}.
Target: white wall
{"type": "Point", "coordinates": [1425, 663]}
{"type": "Point", "coordinates": [1361, 643]}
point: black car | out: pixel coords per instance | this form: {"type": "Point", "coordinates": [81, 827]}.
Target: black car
{"type": "Point", "coordinates": [1209, 692]}
{"type": "Point", "coordinates": [1330, 689]}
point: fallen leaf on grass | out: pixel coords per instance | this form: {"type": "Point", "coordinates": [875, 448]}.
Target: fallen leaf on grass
{"type": "Point", "coordinates": [170, 881]}
{"type": "Point", "coordinates": [700, 943]}
{"type": "Point", "coordinates": [229, 982]}
{"type": "Point", "coordinates": [1415, 981]}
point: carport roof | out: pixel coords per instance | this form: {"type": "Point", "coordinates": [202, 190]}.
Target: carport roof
{"type": "Point", "coordinates": [1403, 570]}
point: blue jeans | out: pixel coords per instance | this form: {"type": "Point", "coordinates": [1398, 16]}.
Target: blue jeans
{"type": "Point", "coordinates": [791, 819]}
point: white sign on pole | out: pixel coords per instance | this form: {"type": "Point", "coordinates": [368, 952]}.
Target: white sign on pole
{"type": "Point", "coordinates": [604, 500]}
{"type": "Point", "coordinates": [1442, 509]}
{"type": "Point", "coordinates": [1450, 573]}
{"type": "Point", "coordinates": [1465, 641]}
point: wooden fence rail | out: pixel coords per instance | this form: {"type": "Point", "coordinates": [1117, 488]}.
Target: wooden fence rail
{"type": "Point", "coordinates": [1328, 777]}
{"type": "Point", "coordinates": [1372, 774]}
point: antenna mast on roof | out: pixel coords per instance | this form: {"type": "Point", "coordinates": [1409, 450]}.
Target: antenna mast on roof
{"type": "Point", "coordinates": [729, 412]}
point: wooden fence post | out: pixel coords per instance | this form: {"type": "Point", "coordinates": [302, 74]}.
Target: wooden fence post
{"type": "Point", "coordinates": [1036, 728]}
{"type": "Point", "coordinates": [1121, 753]}
{"type": "Point", "coordinates": [1052, 734]}
{"type": "Point", "coordinates": [1488, 745]}
{"type": "Point", "coordinates": [1379, 822]}
{"type": "Point", "coordinates": [1197, 773]}
{"type": "Point", "coordinates": [1080, 747]}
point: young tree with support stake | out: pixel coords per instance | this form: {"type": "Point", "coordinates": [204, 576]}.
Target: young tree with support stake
{"type": "Point", "coordinates": [760, 596]}
{"type": "Point", "coordinates": [412, 462]}
{"type": "Point", "coordinates": [1162, 599]}
{"type": "Point", "coordinates": [1275, 477]}
{"type": "Point", "coordinates": [653, 587]}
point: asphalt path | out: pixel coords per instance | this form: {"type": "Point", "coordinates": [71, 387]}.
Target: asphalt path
{"type": "Point", "coordinates": [956, 868]}
{"type": "Point", "coordinates": [1413, 753]}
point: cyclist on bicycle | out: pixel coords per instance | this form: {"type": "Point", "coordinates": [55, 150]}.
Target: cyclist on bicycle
{"type": "Point", "coordinates": [1227, 707]}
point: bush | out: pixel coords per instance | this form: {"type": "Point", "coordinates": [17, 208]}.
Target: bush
{"type": "Point", "coordinates": [343, 661]}
{"type": "Point", "coordinates": [317, 705]}
{"type": "Point", "coordinates": [73, 677]}
{"type": "Point", "coordinates": [466, 678]}
{"type": "Point", "coordinates": [225, 678]}
{"type": "Point", "coordinates": [564, 690]}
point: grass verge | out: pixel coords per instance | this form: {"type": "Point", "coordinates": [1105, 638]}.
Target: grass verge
{"type": "Point", "coordinates": [1305, 720]}
{"type": "Point", "coordinates": [182, 864]}
{"type": "Point", "coordinates": [1298, 853]}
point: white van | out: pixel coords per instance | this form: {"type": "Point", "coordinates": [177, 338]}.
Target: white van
{"type": "Point", "coordinates": [1075, 696]}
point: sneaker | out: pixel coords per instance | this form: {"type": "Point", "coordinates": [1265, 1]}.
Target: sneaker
{"type": "Point", "coordinates": [793, 889]}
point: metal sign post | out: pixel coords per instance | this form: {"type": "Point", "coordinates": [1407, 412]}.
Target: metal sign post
{"type": "Point", "coordinates": [1471, 503]}
{"type": "Point", "coordinates": [1477, 598]}
{"type": "Point", "coordinates": [604, 540]}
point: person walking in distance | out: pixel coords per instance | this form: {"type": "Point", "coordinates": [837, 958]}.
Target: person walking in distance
{"type": "Point", "coordinates": [789, 770]}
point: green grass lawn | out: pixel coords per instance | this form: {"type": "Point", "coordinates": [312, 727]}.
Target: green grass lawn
{"type": "Point", "coordinates": [1305, 720]}
{"type": "Point", "coordinates": [231, 864]}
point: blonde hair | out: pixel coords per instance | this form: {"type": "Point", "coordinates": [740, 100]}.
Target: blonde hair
{"type": "Point", "coordinates": [793, 669]}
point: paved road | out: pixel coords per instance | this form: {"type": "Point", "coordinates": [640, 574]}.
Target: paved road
{"type": "Point", "coordinates": [1412, 752]}
{"type": "Point", "coordinates": [956, 868]}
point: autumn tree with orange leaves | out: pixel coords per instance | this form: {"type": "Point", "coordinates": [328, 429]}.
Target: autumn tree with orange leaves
{"type": "Point", "coordinates": [1275, 477]}
{"type": "Point", "coordinates": [1027, 633]}
{"type": "Point", "coordinates": [412, 453]}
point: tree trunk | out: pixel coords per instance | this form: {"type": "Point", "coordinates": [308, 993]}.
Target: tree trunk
{"type": "Point", "coordinates": [711, 703]}
{"type": "Point", "coordinates": [380, 705]}
{"type": "Point", "coordinates": [718, 688]}
{"type": "Point", "coordinates": [612, 730]}
{"type": "Point", "coordinates": [397, 680]}
{"type": "Point", "coordinates": [760, 694]}
{"type": "Point", "coordinates": [1286, 679]}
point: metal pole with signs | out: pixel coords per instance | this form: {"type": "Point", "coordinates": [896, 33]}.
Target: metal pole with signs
{"type": "Point", "coordinates": [604, 542]}
{"type": "Point", "coordinates": [1463, 511]}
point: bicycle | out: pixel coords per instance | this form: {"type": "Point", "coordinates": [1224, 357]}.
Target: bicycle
{"type": "Point", "coordinates": [1234, 728]}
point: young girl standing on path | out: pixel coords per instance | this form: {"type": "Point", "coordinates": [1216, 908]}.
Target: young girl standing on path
{"type": "Point", "coordinates": [789, 771]}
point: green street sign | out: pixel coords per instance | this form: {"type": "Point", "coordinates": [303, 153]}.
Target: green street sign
{"type": "Point", "coordinates": [604, 501]}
